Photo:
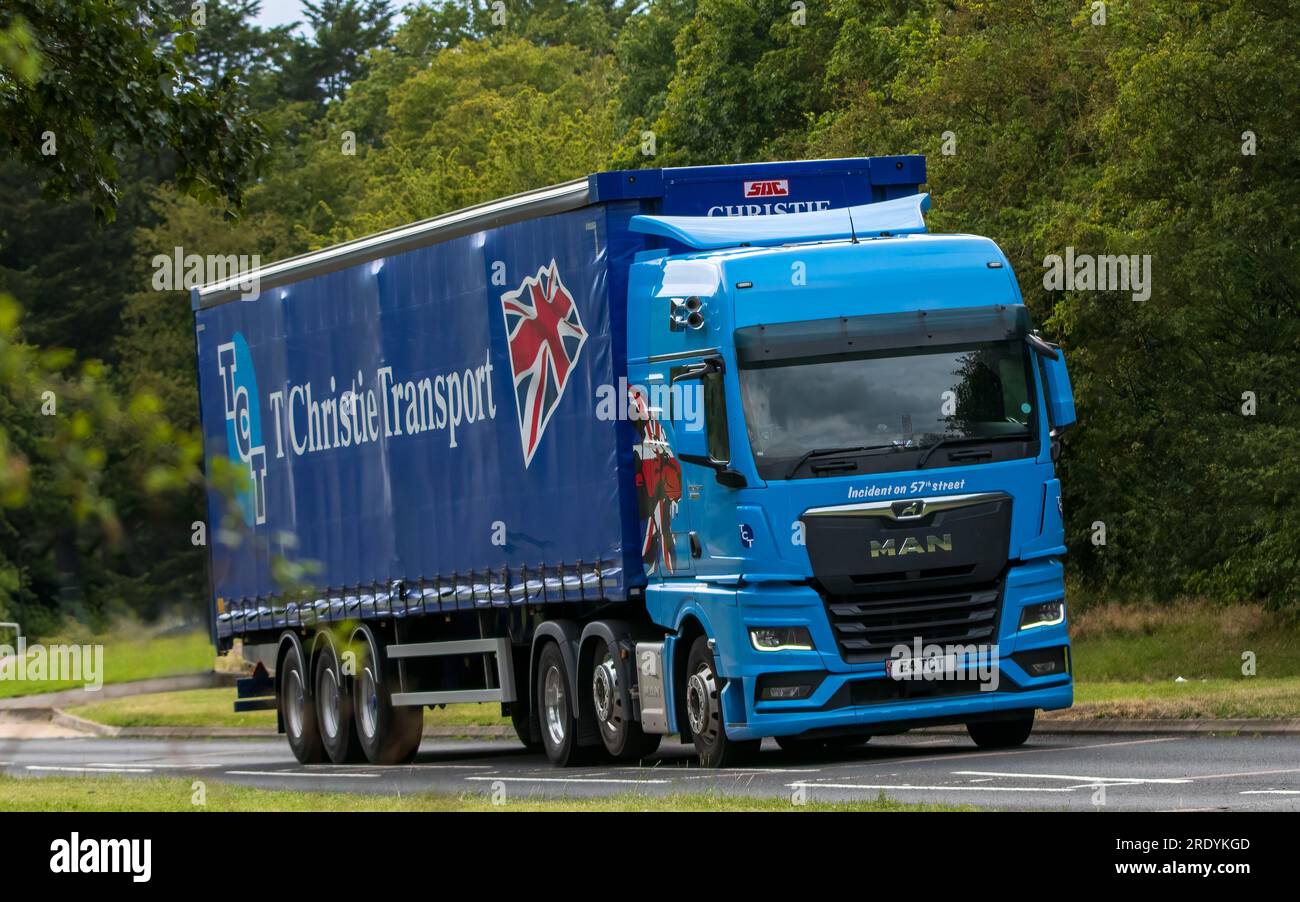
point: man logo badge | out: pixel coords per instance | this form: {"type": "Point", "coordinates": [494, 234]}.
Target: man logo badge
{"type": "Point", "coordinates": [908, 510]}
{"type": "Point", "coordinates": [911, 545]}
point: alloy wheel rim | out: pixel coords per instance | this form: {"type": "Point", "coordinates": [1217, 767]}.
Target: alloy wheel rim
{"type": "Point", "coordinates": [369, 703]}
{"type": "Point", "coordinates": [554, 701]}
{"type": "Point", "coordinates": [329, 703]}
{"type": "Point", "coordinates": [295, 702]}
{"type": "Point", "coordinates": [700, 690]}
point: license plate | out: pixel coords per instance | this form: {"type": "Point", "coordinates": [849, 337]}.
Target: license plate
{"type": "Point", "coordinates": [912, 668]}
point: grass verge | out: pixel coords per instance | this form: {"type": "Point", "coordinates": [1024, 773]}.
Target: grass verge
{"type": "Point", "coordinates": [1244, 697]}
{"type": "Point", "coordinates": [1141, 643]}
{"type": "Point", "coordinates": [179, 794]}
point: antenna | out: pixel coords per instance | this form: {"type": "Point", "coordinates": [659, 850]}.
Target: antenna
{"type": "Point", "coordinates": [853, 232]}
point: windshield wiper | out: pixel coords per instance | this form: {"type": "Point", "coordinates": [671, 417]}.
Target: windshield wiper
{"type": "Point", "coordinates": [967, 440]}
{"type": "Point", "coordinates": [827, 452]}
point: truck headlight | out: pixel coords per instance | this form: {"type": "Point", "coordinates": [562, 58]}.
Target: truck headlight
{"type": "Point", "coordinates": [1049, 613]}
{"type": "Point", "coordinates": [780, 638]}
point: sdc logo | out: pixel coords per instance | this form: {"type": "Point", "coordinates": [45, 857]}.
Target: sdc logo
{"type": "Point", "coordinates": [768, 188]}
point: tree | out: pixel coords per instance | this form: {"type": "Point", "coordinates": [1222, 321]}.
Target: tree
{"type": "Point", "coordinates": [343, 31]}
{"type": "Point", "coordinates": [105, 76]}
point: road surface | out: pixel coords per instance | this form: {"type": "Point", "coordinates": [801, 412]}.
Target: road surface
{"type": "Point", "coordinates": [1121, 772]}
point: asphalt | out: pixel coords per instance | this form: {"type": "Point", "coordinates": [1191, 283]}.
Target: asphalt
{"type": "Point", "coordinates": [1052, 771]}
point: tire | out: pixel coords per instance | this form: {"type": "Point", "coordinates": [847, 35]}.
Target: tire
{"type": "Point", "coordinates": [619, 731]}
{"type": "Point", "coordinates": [559, 727]}
{"type": "Point", "coordinates": [333, 692]}
{"type": "Point", "coordinates": [1001, 734]}
{"type": "Point", "coordinates": [388, 733]}
{"type": "Point", "coordinates": [519, 719]}
{"type": "Point", "coordinates": [703, 696]}
{"type": "Point", "coordinates": [298, 710]}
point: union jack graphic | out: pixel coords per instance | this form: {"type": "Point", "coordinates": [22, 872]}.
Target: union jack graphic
{"type": "Point", "coordinates": [545, 337]}
{"type": "Point", "coordinates": [659, 486]}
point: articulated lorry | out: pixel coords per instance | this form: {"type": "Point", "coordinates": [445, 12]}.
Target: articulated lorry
{"type": "Point", "coordinates": [728, 452]}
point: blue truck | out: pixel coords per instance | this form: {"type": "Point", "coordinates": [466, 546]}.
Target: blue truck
{"type": "Point", "coordinates": [729, 452]}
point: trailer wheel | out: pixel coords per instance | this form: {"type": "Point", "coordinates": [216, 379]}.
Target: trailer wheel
{"type": "Point", "coordinates": [703, 692]}
{"type": "Point", "coordinates": [297, 710]}
{"type": "Point", "coordinates": [622, 735]}
{"type": "Point", "coordinates": [338, 729]}
{"type": "Point", "coordinates": [1001, 734]}
{"type": "Point", "coordinates": [388, 733]}
{"type": "Point", "coordinates": [555, 709]}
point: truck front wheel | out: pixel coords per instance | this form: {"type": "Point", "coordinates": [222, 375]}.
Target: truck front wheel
{"type": "Point", "coordinates": [703, 694]}
{"type": "Point", "coordinates": [1001, 734]}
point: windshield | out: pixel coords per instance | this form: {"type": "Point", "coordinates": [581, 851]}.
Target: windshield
{"type": "Point", "coordinates": [882, 401]}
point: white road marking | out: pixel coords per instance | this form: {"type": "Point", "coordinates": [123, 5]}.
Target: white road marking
{"type": "Point", "coordinates": [1270, 792]}
{"type": "Point", "coordinates": [883, 786]}
{"type": "Point", "coordinates": [749, 772]}
{"type": "Point", "coordinates": [1076, 779]}
{"type": "Point", "coordinates": [92, 770]}
{"type": "Point", "coordinates": [291, 773]}
{"type": "Point", "coordinates": [1028, 751]}
{"type": "Point", "coordinates": [129, 764]}
{"type": "Point", "coordinates": [1248, 773]}
{"type": "Point", "coordinates": [564, 780]}
{"type": "Point", "coordinates": [449, 766]}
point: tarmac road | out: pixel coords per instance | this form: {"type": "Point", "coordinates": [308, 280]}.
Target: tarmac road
{"type": "Point", "coordinates": [1079, 772]}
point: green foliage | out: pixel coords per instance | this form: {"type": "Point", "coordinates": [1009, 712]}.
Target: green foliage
{"type": "Point", "coordinates": [112, 75]}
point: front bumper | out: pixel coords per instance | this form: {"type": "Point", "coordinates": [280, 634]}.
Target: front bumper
{"type": "Point", "coordinates": [862, 698]}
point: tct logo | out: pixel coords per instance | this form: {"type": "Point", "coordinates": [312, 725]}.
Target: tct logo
{"type": "Point", "coordinates": [244, 424]}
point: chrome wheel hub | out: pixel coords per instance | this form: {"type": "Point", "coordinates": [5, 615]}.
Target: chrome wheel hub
{"type": "Point", "coordinates": [701, 689]}
{"type": "Point", "coordinates": [329, 696]}
{"type": "Point", "coordinates": [369, 713]}
{"type": "Point", "coordinates": [553, 701]}
{"type": "Point", "coordinates": [295, 702]}
{"type": "Point", "coordinates": [604, 686]}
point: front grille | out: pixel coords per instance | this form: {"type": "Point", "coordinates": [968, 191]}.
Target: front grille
{"type": "Point", "coordinates": [868, 627]}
